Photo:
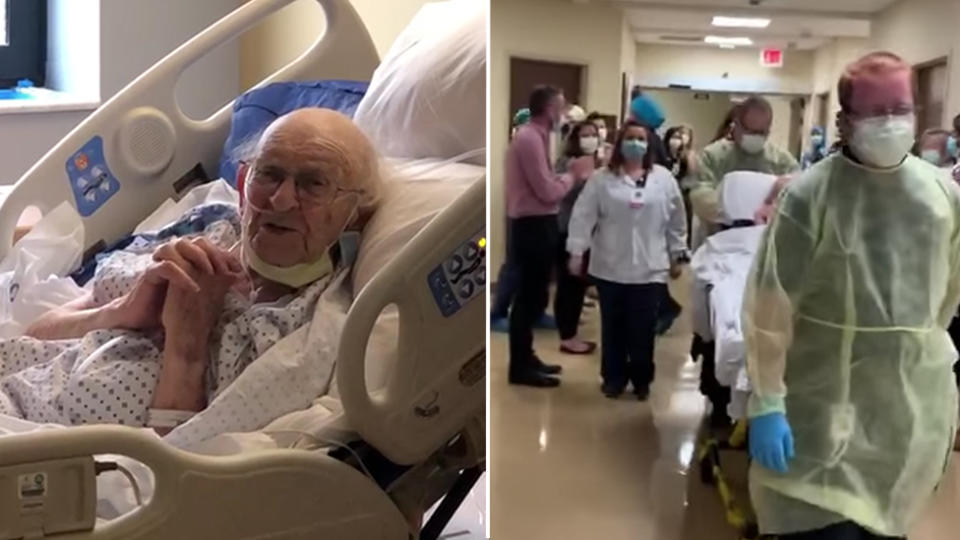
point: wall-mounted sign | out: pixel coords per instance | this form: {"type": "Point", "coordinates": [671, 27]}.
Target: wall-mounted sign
{"type": "Point", "coordinates": [772, 58]}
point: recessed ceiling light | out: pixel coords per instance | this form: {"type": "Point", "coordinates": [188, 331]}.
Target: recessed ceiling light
{"type": "Point", "coordinates": [727, 46]}
{"type": "Point", "coordinates": [741, 22]}
{"type": "Point", "coordinates": [720, 40]}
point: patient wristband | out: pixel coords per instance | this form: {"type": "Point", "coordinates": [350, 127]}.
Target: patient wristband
{"type": "Point", "coordinates": [167, 418]}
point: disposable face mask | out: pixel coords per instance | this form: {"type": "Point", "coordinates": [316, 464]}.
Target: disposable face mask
{"type": "Point", "coordinates": [932, 156]}
{"type": "Point", "coordinates": [952, 146]}
{"type": "Point", "coordinates": [883, 141]}
{"type": "Point", "coordinates": [752, 144]}
{"type": "Point", "coordinates": [675, 144]}
{"type": "Point", "coordinates": [295, 276]}
{"type": "Point", "coordinates": [816, 140]}
{"type": "Point", "coordinates": [589, 145]}
{"type": "Point", "coordinates": [633, 149]}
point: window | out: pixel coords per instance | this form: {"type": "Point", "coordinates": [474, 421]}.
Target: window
{"type": "Point", "coordinates": [23, 41]}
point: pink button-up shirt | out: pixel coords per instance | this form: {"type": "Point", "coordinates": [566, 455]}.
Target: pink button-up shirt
{"type": "Point", "coordinates": [533, 189]}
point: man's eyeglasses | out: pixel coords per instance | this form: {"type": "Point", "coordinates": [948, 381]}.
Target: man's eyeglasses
{"type": "Point", "coordinates": [263, 182]}
{"type": "Point", "coordinates": [898, 110]}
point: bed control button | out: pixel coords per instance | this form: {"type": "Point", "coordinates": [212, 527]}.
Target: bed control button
{"type": "Point", "coordinates": [455, 264]}
{"type": "Point", "coordinates": [481, 278]}
{"type": "Point", "coordinates": [472, 251]}
{"type": "Point", "coordinates": [466, 289]}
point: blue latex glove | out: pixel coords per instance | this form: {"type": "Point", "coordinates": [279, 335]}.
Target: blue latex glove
{"type": "Point", "coordinates": [771, 441]}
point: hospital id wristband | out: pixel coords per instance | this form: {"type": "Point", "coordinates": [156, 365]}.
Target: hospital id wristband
{"type": "Point", "coordinates": [167, 418]}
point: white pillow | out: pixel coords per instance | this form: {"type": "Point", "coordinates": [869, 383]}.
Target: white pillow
{"type": "Point", "coordinates": [408, 204]}
{"type": "Point", "coordinates": [428, 96]}
{"type": "Point", "coordinates": [742, 193]}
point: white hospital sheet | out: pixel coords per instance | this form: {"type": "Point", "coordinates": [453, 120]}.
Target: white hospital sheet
{"type": "Point", "coordinates": [720, 269]}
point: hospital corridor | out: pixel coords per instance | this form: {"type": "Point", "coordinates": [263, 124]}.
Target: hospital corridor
{"type": "Point", "coordinates": [725, 269]}
{"type": "Point", "coordinates": [570, 465]}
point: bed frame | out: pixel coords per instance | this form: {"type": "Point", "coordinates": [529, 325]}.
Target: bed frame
{"type": "Point", "coordinates": [139, 149]}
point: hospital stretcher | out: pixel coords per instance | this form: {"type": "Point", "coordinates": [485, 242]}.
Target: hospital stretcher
{"type": "Point", "coordinates": [418, 439]}
{"type": "Point", "coordinates": [742, 194]}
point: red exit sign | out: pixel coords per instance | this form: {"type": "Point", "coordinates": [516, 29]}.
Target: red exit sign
{"type": "Point", "coordinates": [771, 58]}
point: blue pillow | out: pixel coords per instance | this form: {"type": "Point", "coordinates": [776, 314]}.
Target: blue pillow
{"type": "Point", "coordinates": [254, 111]}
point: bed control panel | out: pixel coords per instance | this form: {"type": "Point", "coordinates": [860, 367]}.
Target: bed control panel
{"type": "Point", "coordinates": [461, 277]}
{"type": "Point", "coordinates": [90, 179]}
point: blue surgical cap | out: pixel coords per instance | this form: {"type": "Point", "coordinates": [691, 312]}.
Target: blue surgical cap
{"type": "Point", "coordinates": [647, 111]}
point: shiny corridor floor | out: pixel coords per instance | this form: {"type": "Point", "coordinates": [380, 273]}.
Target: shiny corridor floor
{"type": "Point", "coordinates": [569, 464]}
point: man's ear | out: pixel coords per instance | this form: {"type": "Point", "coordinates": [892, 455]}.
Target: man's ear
{"type": "Point", "coordinates": [242, 169]}
{"type": "Point", "coordinates": [843, 126]}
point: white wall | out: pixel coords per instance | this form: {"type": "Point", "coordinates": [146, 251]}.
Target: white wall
{"type": "Point", "coordinates": [721, 70]}
{"type": "Point", "coordinates": [921, 31]}
{"type": "Point", "coordinates": [589, 35]}
{"type": "Point", "coordinates": [288, 33]}
{"type": "Point", "coordinates": [134, 35]}
{"type": "Point", "coordinates": [73, 59]}
{"type": "Point", "coordinates": [703, 115]}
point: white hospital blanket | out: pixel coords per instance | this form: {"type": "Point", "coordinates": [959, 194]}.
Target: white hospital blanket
{"type": "Point", "coordinates": [720, 269]}
{"type": "Point", "coordinates": [108, 376]}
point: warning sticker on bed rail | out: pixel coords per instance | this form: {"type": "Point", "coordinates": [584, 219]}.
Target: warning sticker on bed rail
{"type": "Point", "coordinates": [33, 485]}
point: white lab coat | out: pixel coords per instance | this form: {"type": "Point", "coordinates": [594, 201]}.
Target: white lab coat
{"type": "Point", "coordinates": [633, 233]}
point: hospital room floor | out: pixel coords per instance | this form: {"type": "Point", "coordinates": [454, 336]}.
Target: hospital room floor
{"type": "Point", "coordinates": [568, 463]}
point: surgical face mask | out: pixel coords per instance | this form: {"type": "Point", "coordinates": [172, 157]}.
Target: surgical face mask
{"type": "Point", "coordinates": [675, 144]}
{"type": "Point", "coordinates": [883, 141]}
{"type": "Point", "coordinates": [752, 144]}
{"type": "Point", "coordinates": [633, 149]}
{"type": "Point", "coordinates": [816, 140]}
{"type": "Point", "coordinates": [931, 155]}
{"type": "Point", "coordinates": [952, 146]}
{"type": "Point", "coordinates": [295, 276]}
{"type": "Point", "coordinates": [589, 145]}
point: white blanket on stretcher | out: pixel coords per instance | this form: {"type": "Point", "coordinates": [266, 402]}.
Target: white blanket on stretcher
{"type": "Point", "coordinates": [720, 270]}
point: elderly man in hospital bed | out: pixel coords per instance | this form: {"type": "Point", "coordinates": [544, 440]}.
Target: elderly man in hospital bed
{"type": "Point", "coordinates": [166, 327]}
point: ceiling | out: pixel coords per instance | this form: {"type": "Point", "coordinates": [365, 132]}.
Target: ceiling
{"type": "Point", "coordinates": [795, 24]}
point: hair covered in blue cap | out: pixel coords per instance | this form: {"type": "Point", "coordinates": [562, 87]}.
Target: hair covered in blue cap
{"type": "Point", "coordinates": [646, 111]}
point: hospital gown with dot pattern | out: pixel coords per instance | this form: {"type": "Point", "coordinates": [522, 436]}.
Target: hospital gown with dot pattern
{"type": "Point", "coordinates": [108, 376]}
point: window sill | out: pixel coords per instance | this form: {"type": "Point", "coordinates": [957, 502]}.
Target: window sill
{"type": "Point", "coordinates": [46, 101]}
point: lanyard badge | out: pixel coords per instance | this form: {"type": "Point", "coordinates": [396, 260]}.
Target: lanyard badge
{"type": "Point", "coordinates": [636, 199]}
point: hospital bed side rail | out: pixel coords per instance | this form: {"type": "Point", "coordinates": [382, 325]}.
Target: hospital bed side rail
{"type": "Point", "coordinates": [140, 148]}
{"type": "Point", "coordinates": [269, 494]}
{"type": "Point", "coordinates": [438, 386]}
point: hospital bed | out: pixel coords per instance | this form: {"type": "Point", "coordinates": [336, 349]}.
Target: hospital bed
{"type": "Point", "coordinates": [720, 268]}
{"type": "Point", "coordinates": [412, 439]}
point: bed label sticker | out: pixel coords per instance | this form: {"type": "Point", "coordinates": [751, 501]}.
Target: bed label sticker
{"type": "Point", "coordinates": [33, 485]}
{"type": "Point", "coordinates": [91, 181]}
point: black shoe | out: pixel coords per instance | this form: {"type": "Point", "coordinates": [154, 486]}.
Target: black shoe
{"type": "Point", "coordinates": [535, 379]}
{"type": "Point", "coordinates": [546, 369]}
{"type": "Point", "coordinates": [642, 393]}
{"type": "Point", "coordinates": [612, 392]}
